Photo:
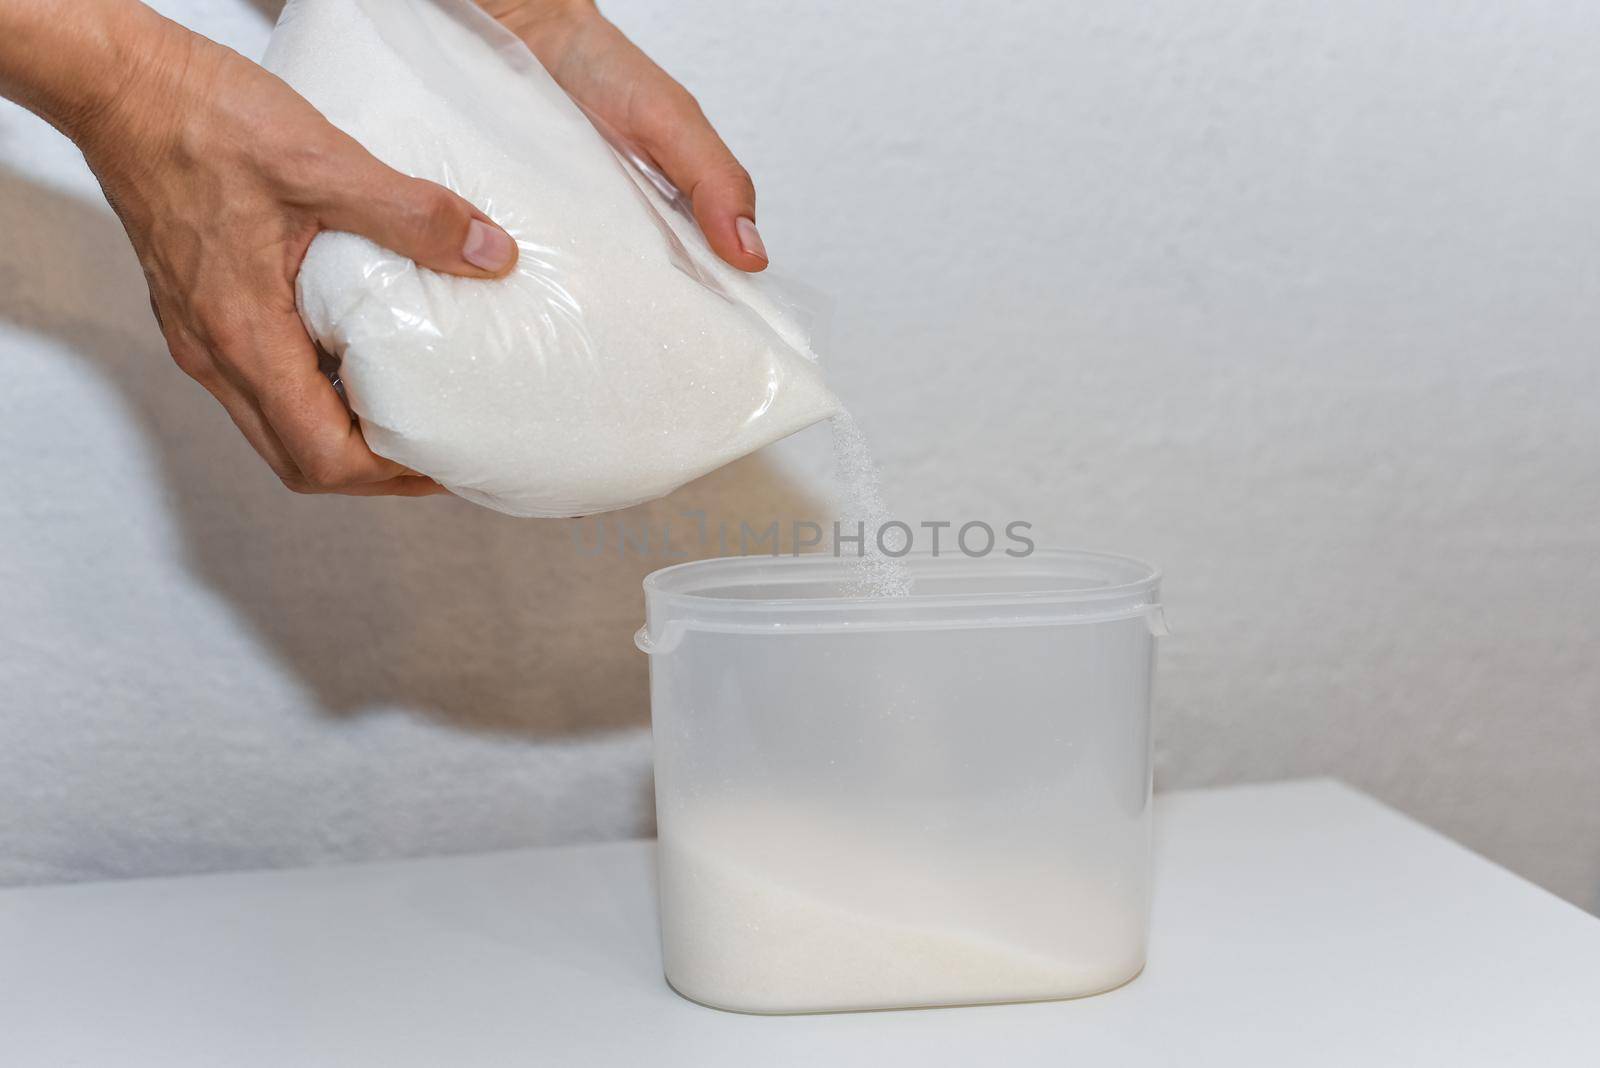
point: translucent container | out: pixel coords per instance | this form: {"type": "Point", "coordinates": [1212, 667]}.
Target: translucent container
{"type": "Point", "coordinates": [941, 799]}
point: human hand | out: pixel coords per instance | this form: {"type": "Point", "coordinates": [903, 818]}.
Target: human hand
{"type": "Point", "coordinates": [610, 77]}
{"type": "Point", "coordinates": [222, 175]}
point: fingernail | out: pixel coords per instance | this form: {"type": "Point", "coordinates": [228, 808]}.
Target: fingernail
{"type": "Point", "coordinates": [750, 237]}
{"type": "Point", "coordinates": [488, 247]}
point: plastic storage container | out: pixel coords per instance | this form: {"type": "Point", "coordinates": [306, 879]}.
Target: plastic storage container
{"type": "Point", "coordinates": [940, 799]}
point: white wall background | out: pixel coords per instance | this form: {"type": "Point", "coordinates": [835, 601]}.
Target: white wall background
{"type": "Point", "coordinates": [1300, 300]}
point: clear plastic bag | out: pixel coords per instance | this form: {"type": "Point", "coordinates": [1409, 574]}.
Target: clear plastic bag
{"type": "Point", "coordinates": [619, 360]}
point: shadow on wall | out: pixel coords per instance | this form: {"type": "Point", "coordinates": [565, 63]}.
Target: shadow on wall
{"type": "Point", "coordinates": [485, 622]}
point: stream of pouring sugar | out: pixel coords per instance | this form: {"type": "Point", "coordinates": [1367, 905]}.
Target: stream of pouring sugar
{"type": "Point", "coordinates": [873, 572]}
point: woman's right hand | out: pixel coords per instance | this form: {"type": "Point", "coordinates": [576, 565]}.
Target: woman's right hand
{"type": "Point", "coordinates": [222, 175]}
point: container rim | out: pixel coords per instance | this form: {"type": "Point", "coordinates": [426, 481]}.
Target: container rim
{"type": "Point", "coordinates": [684, 586]}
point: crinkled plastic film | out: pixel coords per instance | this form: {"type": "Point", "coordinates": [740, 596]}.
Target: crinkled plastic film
{"type": "Point", "coordinates": [620, 359]}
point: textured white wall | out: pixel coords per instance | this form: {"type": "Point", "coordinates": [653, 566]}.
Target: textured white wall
{"type": "Point", "coordinates": [1297, 299]}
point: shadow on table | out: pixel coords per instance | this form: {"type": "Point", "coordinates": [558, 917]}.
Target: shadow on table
{"type": "Point", "coordinates": [482, 621]}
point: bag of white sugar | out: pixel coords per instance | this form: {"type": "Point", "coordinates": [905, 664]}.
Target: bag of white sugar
{"type": "Point", "coordinates": [619, 360]}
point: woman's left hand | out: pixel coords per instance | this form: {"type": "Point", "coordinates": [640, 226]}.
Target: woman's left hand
{"type": "Point", "coordinates": [614, 80]}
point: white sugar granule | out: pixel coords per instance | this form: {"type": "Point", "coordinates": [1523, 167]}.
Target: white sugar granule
{"type": "Point", "coordinates": [764, 911]}
{"type": "Point", "coordinates": [618, 361]}
{"type": "Point", "coordinates": [874, 573]}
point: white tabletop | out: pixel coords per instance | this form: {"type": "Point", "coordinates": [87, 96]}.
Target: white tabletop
{"type": "Point", "coordinates": [1295, 924]}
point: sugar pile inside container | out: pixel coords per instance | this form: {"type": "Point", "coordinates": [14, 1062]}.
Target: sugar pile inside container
{"type": "Point", "coordinates": [773, 910]}
{"type": "Point", "coordinates": [620, 359]}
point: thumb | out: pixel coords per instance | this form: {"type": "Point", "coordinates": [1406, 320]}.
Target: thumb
{"type": "Point", "coordinates": [418, 219]}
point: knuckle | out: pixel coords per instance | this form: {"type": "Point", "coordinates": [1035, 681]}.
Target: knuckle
{"type": "Point", "coordinates": [300, 169]}
{"type": "Point", "coordinates": [326, 474]}
{"type": "Point", "coordinates": [662, 115]}
{"type": "Point", "coordinates": [740, 178]}
{"type": "Point", "coordinates": [687, 101]}
{"type": "Point", "coordinates": [225, 329]}
{"type": "Point", "coordinates": [196, 363]}
{"type": "Point", "coordinates": [215, 316]}
{"type": "Point", "coordinates": [297, 484]}
{"type": "Point", "coordinates": [435, 210]}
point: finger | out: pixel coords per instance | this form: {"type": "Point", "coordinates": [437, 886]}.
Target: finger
{"type": "Point", "coordinates": [199, 365]}
{"type": "Point", "coordinates": [307, 415]}
{"type": "Point", "coordinates": [403, 486]}
{"type": "Point", "coordinates": [420, 220]}
{"type": "Point", "coordinates": [253, 425]}
{"type": "Point", "coordinates": [678, 136]}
